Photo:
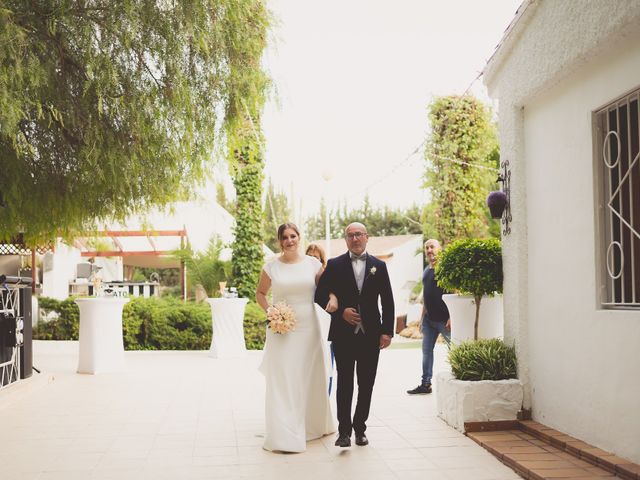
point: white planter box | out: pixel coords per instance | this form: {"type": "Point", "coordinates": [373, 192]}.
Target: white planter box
{"type": "Point", "coordinates": [460, 401]}
{"type": "Point", "coordinates": [462, 309]}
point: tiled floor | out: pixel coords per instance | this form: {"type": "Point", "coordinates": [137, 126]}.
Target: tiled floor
{"type": "Point", "coordinates": [182, 415]}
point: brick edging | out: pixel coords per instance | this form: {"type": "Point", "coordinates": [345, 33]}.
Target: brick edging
{"type": "Point", "coordinates": [577, 448]}
{"type": "Point", "coordinates": [582, 450]}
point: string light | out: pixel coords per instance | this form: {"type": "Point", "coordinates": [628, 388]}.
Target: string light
{"type": "Point", "coordinates": [418, 150]}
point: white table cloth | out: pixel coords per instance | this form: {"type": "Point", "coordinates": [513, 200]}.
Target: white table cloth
{"type": "Point", "coordinates": [101, 346]}
{"type": "Point", "coordinates": [227, 316]}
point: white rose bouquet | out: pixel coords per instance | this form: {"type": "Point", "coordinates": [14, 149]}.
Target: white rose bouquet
{"type": "Point", "coordinates": [281, 318]}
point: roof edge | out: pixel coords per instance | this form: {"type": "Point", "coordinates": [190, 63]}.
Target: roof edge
{"type": "Point", "coordinates": [508, 41]}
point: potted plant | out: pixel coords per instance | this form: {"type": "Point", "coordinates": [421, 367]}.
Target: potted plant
{"type": "Point", "coordinates": [497, 202]}
{"type": "Point", "coordinates": [471, 267]}
{"type": "Point", "coordinates": [482, 385]}
{"type": "Point", "coordinates": [205, 269]}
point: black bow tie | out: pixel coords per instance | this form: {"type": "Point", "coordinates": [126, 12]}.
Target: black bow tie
{"type": "Point", "coordinates": [362, 256]}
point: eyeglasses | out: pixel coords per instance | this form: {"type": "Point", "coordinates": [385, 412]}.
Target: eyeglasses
{"type": "Point", "coordinates": [357, 235]}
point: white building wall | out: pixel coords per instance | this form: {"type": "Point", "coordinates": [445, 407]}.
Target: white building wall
{"type": "Point", "coordinates": [561, 61]}
{"type": "Point", "coordinates": [405, 266]}
{"type": "Point", "coordinates": [59, 268]}
{"type": "Point", "coordinates": [584, 362]}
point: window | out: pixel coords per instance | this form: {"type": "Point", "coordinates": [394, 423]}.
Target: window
{"type": "Point", "coordinates": [617, 140]}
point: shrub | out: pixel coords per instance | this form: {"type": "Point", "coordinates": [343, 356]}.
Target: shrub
{"type": "Point", "coordinates": [484, 359]}
{"type": "Point", "coordinates": [471, 267]}
{"type": "Point", "coordinates": [166, 324]}
{"type": "Point", "coordinates": [206, 268]}
{"type": "Point", "coordinates": [65, 326]}
{"type": "Point", "coordinates": [153, 324]}
{"type": "Point", "coordinates": [255, 329]}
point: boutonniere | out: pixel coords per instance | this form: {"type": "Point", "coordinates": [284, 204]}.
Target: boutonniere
{"type": "Point", "coordinates": [372, 271]}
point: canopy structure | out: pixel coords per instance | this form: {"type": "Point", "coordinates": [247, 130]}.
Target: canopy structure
{"type": "Point", "coordinates": [139, 248]}
{"type": "Point", "coordinates": [17, 247]}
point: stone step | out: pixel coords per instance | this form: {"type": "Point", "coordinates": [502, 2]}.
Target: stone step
{"type": "Point", "coordinates": [538, 452]}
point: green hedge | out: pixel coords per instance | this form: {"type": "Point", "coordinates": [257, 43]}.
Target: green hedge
{"type": "Point", "coordinates": [153, 324]}
{"type": "Point", "coordinates": [65, 327]}
{"type": "Point", "coordinates": [255, 327]}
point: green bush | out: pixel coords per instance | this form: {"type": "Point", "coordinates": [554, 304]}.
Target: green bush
{"type": "Point", "coordinates": [255, 329]}
{"type": "Point", "coordinates": [205, 268]}
{"type": "Point", "coordinates": [166, 324]}
{"type": "Point", "coordinates": [65, 326]}
{"type": "Point", "coordinates": [153, 324]}
{"type": "Point", "coordinates": [484, 359]}
{"type": "Point", "coordinates": [471, 267]}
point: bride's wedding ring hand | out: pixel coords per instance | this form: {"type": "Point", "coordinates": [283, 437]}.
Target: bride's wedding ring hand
{"type": "Point", "coordinates": [351, 316]}
{"type": "Point", "coordinates": [332, 305]}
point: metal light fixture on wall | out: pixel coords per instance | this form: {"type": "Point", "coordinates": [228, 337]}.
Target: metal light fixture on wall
{"type": "Point", "coordinates": [499, 201]}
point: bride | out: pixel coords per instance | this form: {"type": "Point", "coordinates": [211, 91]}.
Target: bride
{"type": "Point", "coordinates": [295, 363]}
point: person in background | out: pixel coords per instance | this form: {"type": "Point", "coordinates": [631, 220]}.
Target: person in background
{"type": "Point", "coordinates": [315, 250]}
{"type": "Point", "coordinates": [435, 318]}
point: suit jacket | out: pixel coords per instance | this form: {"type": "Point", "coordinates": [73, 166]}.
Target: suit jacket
{"type": "Point", "coordinates": [338, 278]}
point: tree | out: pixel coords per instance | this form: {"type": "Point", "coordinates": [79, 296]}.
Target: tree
{"type": "Point", "coordinates": [461, 158]}
{"type": "Point", "coordinates": [205, 268]}
{"type": "Point", "coordinates": [245, 153]}
{"type": "Point", "coordinates": [471, 267]}
{"type": "Point", "coordinates": [379, 221]}
{"type": "Point", "coordinates": [276, 212]}
{"type": "Point", "coordinates": [247, 175]}
{"type": "Point", "coordinates": [221, 199]}
{"type": "Point", "coordinates": [108, 107]}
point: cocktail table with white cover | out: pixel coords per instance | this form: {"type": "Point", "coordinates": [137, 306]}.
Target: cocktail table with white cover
{"type": "Point", "coordinates": [227, 317]}
{"type": "Point", "coordinates": [101, 346]}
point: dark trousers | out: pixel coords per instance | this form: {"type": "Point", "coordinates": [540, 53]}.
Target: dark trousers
{"type": "Point", "coordinates": [360, 354]}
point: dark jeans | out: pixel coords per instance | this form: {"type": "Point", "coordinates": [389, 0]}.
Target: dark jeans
{"type": "Point", "coordinates": [430, 331]}
{"type": "Point", "coordinates": [361, 355]}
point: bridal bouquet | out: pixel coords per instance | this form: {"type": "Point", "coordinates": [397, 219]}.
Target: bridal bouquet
{"type": "Point", "coordinates": [281, 318]}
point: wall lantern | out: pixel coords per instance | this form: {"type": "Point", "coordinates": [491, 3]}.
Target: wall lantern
{"type": "Point", "coordinates": [499, 201]}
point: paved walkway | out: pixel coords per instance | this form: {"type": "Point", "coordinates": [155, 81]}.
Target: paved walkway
{"type": "Point", "coordinates": [182, 415]}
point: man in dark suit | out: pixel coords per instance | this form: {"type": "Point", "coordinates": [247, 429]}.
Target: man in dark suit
{"type": "Point", "coordinates": [358, 330]}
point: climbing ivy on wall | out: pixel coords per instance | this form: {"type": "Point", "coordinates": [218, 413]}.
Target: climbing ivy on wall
{"type": "Point", "coordinates": [461, 157]}
{"type": "Point", "coordinates": [245, 152]}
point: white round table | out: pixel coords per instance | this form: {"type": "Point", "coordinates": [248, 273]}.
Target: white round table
{"type": "Point", "coordinates": [227, 318]}
{"type": "Point", "coordinates": [101, 346]}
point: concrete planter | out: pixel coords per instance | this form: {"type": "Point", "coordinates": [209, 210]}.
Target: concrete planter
{"type": "Point", "coordinates": [462, 309]}
{"type": "Point", "coordinates": [460, 401]}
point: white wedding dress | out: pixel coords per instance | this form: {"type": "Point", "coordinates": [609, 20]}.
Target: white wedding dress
{"type": "Point", "coordinates": [295, 364]}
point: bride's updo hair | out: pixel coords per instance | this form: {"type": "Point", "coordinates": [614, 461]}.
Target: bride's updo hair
{"type": "Point", "coordinates": [286, 226]}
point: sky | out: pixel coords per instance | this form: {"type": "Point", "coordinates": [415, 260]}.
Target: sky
{"type": "Point", "coordinates": [353, 79]}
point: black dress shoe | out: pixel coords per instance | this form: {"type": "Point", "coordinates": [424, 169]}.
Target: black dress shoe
{"type": "Point", "coordinates": [343, 441]}
{"type": "Point", "coordinates": [362, 440]}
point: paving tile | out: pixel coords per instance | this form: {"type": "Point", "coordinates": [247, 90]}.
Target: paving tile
{"type": "Point", "coordinates": [532, 457]}
{"type": "Point", "coordinates": [630, 471]}
{"type": "Point", "coordinates": [208, 423]}
{"type": "Point", "coordinates": [561, 473]}
{"type": "Point", "coordinates": [546, 464]}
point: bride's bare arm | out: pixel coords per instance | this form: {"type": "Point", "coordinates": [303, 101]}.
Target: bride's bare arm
{"type": "Point", "coordinates": [264, 284]}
